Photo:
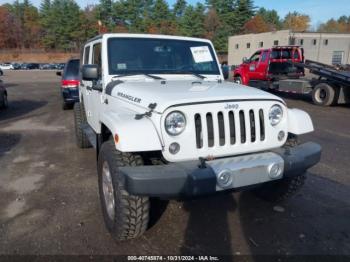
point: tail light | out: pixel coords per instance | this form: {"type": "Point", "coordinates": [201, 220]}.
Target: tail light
{"type": "Point", "coordinates": [70, 83]}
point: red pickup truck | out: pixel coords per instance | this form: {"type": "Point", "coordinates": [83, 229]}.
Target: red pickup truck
{"type": "Point", "coordinates": [266, 66]}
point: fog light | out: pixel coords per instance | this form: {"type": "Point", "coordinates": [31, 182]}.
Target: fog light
{"type": "Point", "coordinates": [281, 136]}
{"type": "Point", "coordinates": [225, 179]}
{"type": "Point", "coordinates": [174, 148]}
{"type": "Point", "coordinates": [275, 171]}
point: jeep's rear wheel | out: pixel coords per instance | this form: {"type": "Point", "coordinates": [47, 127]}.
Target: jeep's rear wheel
{"type": "Point", "coordinates": [79, 120]}
{"type": "Point", "coordinates": [126, 216]}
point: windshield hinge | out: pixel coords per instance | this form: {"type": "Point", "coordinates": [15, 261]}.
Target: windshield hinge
{"type": "Point", "coordinates": [152, 107]}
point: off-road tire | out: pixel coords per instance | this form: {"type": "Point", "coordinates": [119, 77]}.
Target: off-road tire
{"type": "Point", "coordinates": [280, 190]}
{"type": "Point", "coordinates": [324, 95]}
{"type": "Point", "coordinates": [131, 215]}
{"type": "Point", "coordinates": [80, 119]}
{"type": "Point", "coordinates": [284, 189]}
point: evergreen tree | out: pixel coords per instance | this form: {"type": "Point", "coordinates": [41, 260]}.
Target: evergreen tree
{"type": "Point", "coordinates": [105, 13]}
{"type": "Point", "coordinates": [244, 11]}
{"type": "Point", "coordinates": [193, 20]}
{"type": "Point", "coordinates": [179, 8]}
{"type": "Point", "coordinates": [271, 17]}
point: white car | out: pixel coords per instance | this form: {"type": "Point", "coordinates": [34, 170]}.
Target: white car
{"type": "Point", "coordinates": [6, 66]}
{"type": "Point", "coordinates": [165, 124]}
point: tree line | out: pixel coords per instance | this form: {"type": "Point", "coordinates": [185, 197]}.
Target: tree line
{"type": "Point", "coordinates": [63, 25]}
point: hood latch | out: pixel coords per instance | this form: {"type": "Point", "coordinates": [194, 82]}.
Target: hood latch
{"type": "Point", "coordinates": [152, 107]}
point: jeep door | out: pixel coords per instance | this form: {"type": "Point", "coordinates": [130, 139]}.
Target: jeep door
{"type": "Point", "coordinates": [95, 100]}
{"type": "Point", "coordinates": [85, 86]}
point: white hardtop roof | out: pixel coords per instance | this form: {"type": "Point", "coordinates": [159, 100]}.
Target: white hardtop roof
{"type": "Point", "coordinates": [150, 36]}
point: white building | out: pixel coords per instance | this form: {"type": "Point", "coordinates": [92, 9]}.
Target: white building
{"type": "Point", "coordinates": [328, 48]}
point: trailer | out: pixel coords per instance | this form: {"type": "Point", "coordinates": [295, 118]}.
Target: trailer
{"type": "Point", "coordinates": [330, 88]}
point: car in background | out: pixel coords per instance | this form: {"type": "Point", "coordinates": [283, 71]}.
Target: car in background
{"type": "Point", "coordinates": [60, 66]}
{"type": "Point", "coordinates": [70, 83]}
{"type": "Point", "coordinates": [6, 66]}
{"type": "Point", "coordinates": [3, 96]}
{"type": "Point", "coordinates": [30, 66]}
{"type": "Point", "coordinates": [16, 66]}
{"type": "Point", "coordinates": [47, 66]}
{"type": "Point", "coordinates": [266, 67]}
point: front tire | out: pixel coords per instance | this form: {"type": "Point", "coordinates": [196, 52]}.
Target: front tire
{"type": "Point", "coordinates": [79, 120]}
{"type": "Point", "coordinates": [285, 188]}
{"type": "Point", "coordinates": [238, 80]}
{"type": "Point", "coordinates": [280, 190]}
{"type": "Point", "coordinates": [126, 216]}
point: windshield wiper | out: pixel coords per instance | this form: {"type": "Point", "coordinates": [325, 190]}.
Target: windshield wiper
{"type": "Point", "coordinates": [199, 76]}
{"type": "Point", "coordinates": [148, 75]}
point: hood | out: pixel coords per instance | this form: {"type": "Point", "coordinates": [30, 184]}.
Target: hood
{"type": "Point", "coordinates": [169, 93]}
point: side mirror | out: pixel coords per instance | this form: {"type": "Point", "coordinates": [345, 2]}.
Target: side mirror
{"type": "Point", "coordinates": [90, 72]}
{"type": "Point", "coordinates": [245, 60]}
{"type": "Point", "coordinates": [59, 73]}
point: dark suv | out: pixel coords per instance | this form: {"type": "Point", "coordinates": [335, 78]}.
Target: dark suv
{"type": "Point", "coordinates": [70, 83]}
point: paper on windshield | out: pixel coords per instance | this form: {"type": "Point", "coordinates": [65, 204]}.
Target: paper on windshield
{"type": "Point", "coordinates": [201, 54]}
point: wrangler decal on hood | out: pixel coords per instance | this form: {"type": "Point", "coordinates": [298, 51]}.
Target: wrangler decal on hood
{"type": "Point", "coordinates": [129, 97]}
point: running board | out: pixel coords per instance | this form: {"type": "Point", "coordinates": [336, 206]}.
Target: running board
{"type": "Point", "coordinates": [90, 134]}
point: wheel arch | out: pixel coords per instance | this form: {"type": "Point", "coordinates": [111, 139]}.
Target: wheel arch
{"type": "Point", "coordinates": [299, 122]}
{"type": "Point", "coordinates": [130, 135]}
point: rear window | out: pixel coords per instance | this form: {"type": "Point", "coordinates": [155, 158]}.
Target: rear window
{"type": "Point", "coordinates": [284, 54]}
{"type": "Point", "coordinates": [72, 69]}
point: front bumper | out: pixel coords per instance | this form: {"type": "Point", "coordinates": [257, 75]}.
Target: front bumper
{"type": "Point", "coordinates": [191, 179]}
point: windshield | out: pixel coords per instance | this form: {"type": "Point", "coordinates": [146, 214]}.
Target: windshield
{"type": "Point", "coordinates": [160, 56]}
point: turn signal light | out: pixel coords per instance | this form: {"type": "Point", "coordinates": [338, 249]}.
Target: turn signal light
{"type": "Point", "coordinates": [116, 138]}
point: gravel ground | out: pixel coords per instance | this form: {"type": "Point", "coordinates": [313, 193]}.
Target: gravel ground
{"type": "Point", "coordinates": [49, 202]}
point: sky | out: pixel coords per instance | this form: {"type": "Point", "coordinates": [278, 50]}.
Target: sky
{"type": "Point", "coordinates": [319, 10]}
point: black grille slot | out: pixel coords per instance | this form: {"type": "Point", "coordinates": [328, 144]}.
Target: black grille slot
{"type": "Point", "coordinates": [221, 128]}
{"type": "Point", "coordinates": [252, 126]}
{"type": "Point", "coordinates": [199, 135]}
{"type": "Point", "coordinates": [231, 118]}
{"type": "Point", "coordinates": [210, 127]}
{"type": "Point", "coordinates": [242, 125]}
{"type": "Point", "coordinates": [262, 125]}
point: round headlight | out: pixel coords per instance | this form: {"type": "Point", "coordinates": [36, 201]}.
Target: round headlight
{"type": "Point", "coordinates": [175, 123]}
{"type": "Point", "coordinates": [275, 115]}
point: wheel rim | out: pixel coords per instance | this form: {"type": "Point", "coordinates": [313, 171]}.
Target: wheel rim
{"type": "Point", "coordinates": [238, 81]}
{"type": "Point", "coordinates": [108, 191]}
{"type": "Point", "coordinates": [321, 95]}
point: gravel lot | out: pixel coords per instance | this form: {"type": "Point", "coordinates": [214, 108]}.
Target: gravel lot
{"type": "Point", "coordinates": [49, 201]}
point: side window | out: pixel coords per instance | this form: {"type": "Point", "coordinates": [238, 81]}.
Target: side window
{"type": "Point", "coordinates": [255, 57]}
{"type": "Point", "coordinates": [97, 56]}
{"type": "Point", "coordinates": [264, 56]}
{"type": "Point", "coordinates": [86, 55]}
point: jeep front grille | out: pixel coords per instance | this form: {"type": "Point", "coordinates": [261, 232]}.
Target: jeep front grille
{"type": "Point", "coordinates": [217, 129]}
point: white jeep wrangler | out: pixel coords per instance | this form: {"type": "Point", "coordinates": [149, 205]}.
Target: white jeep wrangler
{"type": "Point", "coordinates": [166, 125]}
